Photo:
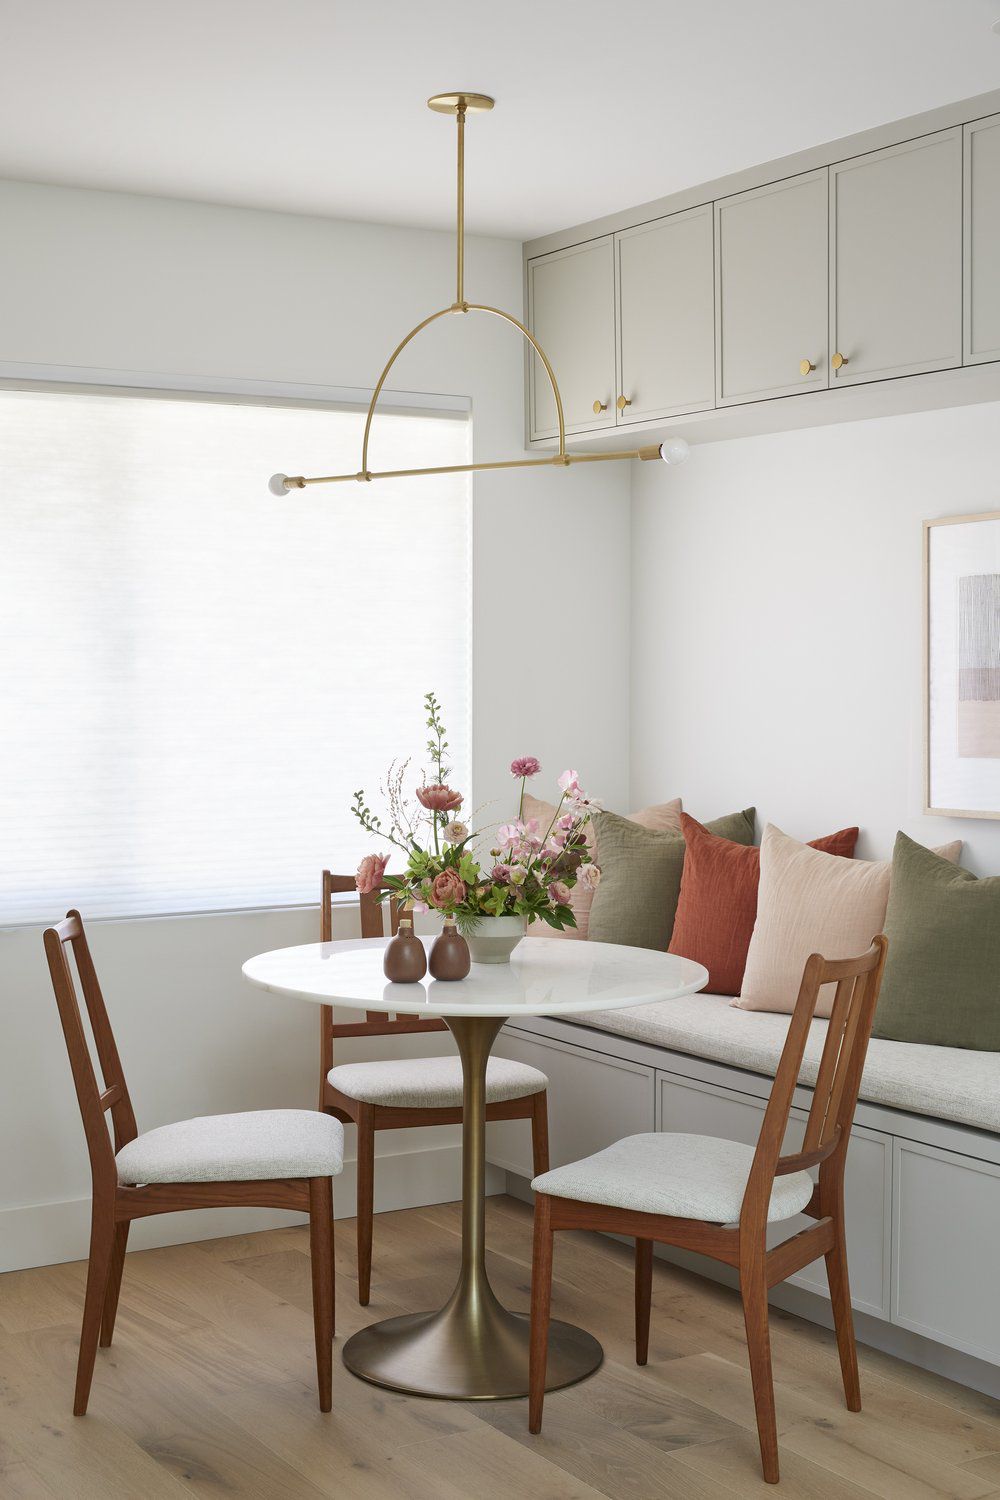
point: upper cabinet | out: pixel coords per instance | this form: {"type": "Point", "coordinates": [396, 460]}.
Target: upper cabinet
{"type": "Point", "coordinates": [666, 317]}
{"type": "Point", "coordinates": [772, 290]}
{"type": "Point", "coordinates": [982, 240]}
{"type": "Point", "coordinates": [896, 260]}
{"type": "Point", "coordinates": [571, 312]}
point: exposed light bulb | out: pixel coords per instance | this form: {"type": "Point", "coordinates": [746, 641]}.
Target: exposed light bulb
{"type": "Point", "coordinates": [674, 451]}
{"type": "Point", "coordinates": [276, 484]}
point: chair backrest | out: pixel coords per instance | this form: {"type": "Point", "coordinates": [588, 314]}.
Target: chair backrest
{"type": "Point", "coordinates": [376, 1023]}
{"type": "Point", "coordinates": [835, 1093]}
{"type": "Point", "coordinates": [95, 1098]}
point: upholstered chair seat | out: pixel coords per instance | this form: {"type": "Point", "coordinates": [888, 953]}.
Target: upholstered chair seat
{"type": "Point", "coordinates": [432, 1082]}
{"type": "Point", "coordinates": [254, 1146]}
{"type": "Point", "coordinates": [683, 1176]}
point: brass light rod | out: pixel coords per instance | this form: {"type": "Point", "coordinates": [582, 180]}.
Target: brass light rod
{"type": "Point", "coordinates": [674, 451]}
{"type": "Point", "coordinates": [284, 482]}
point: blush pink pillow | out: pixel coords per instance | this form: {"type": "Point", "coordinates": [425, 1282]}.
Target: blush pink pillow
{"type": "Point", "coordinates": [811, 902]}
{"type": "Point", "coordinates": [663, 817]}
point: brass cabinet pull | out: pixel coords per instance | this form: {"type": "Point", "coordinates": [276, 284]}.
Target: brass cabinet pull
{"type": "Point", "coordinates": [838, 360]}
{"type": "Point", "coordinates": [622, 402]}
{"type": "Point", "coordinates": [806, 367]}
{"type": "Point", "coordinates": [600, 406]}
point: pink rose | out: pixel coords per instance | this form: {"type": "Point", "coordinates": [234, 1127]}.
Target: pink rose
{"type": "Point", "coordinates": [559, 892]}
{"type": "Point", "coordinates": [370, 872]}
{"type": "Point", "coordinates": [447, 889]}
{"type": "Point", "coordinates": [525, 765]}
{"type": "Point", "coordinates": [439, 798]}
{"type": "Point", "coordinates": [500, 874]}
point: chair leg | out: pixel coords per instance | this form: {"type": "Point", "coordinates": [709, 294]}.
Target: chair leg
{"type": "Point", "coordinates": [643, 1297]}
{"type": "Point", "coordinates": [102, 1242]}
{"type": "Point", "coordinates": [540, 1134]}
{"type": "Point", "coordinates": [366, 1199]}
{"type": "Point", "coordinates": [753, 1288]}
{"type": "Point", "coordinates": [843, 1316]}
{"type": "Point", "coordinates": [321, 1255]}
{"type": "Point", "coordinates": [541, 1306]}
{"type": "Point", "coordinates": [114, 1283]}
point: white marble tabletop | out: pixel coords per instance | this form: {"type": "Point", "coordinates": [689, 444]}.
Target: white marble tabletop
{"type": "Point", "coordinates": [545, 977]}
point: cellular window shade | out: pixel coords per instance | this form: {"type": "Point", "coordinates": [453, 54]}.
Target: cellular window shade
{"type": "Point", "coordinates": [196, 675]}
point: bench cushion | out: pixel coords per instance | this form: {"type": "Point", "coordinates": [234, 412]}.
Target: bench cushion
{"type": "Point", "coordinates": [947, 1083]}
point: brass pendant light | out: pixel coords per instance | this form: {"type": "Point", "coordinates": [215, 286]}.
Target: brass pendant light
{"type": "Point", "coordinates": [672, 452]}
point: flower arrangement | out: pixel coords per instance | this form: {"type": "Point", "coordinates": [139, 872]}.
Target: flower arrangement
{"type": "Point", "coordinates": [530, 871]}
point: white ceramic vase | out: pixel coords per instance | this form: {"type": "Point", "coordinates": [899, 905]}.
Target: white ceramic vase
{"type": "Point", "coordinates": [493, 939]}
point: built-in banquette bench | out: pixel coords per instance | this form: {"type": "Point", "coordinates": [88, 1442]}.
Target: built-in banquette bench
{"type": "Point", "coordinates": [923, 1170]}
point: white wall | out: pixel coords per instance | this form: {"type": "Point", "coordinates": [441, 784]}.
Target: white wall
{"type": "Point", "coordinates": [111, 281]}
{"type": "Point", "coordinates": [776, 623]}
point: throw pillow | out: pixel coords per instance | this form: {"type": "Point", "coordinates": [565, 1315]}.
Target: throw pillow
{"type": "Point", "coordinates": [717, 907]}
{"type": "Point", "coordinates": [641, 872]}
{"type": "Point", "coordinates": [942, 972]}
{"type": "Point", "coordinates": [811, 902]}
{"type": "Point", "coordinates": [664, 815]}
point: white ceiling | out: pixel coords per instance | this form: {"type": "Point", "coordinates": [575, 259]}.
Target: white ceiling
{"type": "Point", "coordinates": [317, 106]}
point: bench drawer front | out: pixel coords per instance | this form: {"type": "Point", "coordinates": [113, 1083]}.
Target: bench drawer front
{"type": "Point", "coordinates": [698, 1108]}
{"type": "Point", "coordinates": [593, 1100]}
{"type": "Point", "coordinates": [946, 1237]}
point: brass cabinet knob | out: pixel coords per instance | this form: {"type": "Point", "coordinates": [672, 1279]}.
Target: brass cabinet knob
{"type": "Point", "coordinates": [600, 406]}
{"type": "Point", "coordinates": [838, 361]}
{"type": "Point", "coordinates": [622, 402]}
{"type": "Point", "coordinates": [806, 367]}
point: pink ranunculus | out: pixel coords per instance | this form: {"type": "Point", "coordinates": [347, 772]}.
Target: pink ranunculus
{"type": "Point", "coordinates": [455, 831]}
{"type": "Point", "coordinates": [447, 889]}
{"type": "Point", "coordinates": [525, 765]}
{"type": "Point", "coordinates": [559, 892]}
{"type": "Point", "coordinates": [500, 873]}
{"type": "Point", "coordinates": [370, 872]}
{"type": "Point", "coordinates": [588, 877]}
{"type": "Point", "coordinates": [569, 782]}
{"type": "Point", "coordinates": [438, 798]}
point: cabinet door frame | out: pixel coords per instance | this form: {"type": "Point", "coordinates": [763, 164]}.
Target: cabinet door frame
{"type": "Point", "coordinates": [625, 418]}
{"type": "Point", "coordinates": [846, 377]}
{"type": "Point", "coordinates": [812, 1278]}
{"type": "Point", "coordinates": [990, 122]}
{"type": "Point", "coordinates": [598, 421]}
{"type": "Point", "coordinates": [819, 380]}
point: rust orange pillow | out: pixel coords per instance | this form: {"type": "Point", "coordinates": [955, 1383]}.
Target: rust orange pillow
{"type": "Point", "coordinates": [717, 907]}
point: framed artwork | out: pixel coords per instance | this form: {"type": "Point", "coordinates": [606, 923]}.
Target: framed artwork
{"type": "Point", "coordinates": [962, 665]}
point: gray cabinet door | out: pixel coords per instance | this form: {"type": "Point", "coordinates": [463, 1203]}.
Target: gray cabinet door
{"type": "Point", "coordinates": [896, 260]}
{"type": "Point", "coordinates": [772, 290]}
{"type": "Point", "coordinates": [571, 312]}
{"type": "Point", "coordinates": [982, 240]}
{"type": "Point", "coordinates": [666, 317]}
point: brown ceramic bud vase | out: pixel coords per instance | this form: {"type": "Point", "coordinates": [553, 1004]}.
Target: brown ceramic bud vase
{"type": "Point", "coordinates": [450, 954]}
{"type": "Point", "coordinates": [405, 961]}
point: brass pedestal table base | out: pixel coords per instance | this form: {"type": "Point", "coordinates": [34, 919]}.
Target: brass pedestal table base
{"type": "Point", "coordinates": [473, 1348]}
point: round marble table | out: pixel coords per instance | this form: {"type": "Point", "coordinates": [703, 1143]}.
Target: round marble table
{"type": "Point", "coordinates": [473, 1348]}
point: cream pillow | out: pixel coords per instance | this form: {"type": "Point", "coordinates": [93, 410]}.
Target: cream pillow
{"type": "Point", "coordinates": [663, 817]}
{"type": "Point", "coordinates": [811, 902]}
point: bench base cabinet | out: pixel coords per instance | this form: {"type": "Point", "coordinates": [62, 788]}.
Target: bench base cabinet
{"type": "Point", "coordinates": [923, 1195]}
{"type": "Point", "coordinates": [688, 1106]}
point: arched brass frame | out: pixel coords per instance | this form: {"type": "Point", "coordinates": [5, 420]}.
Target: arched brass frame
{"type": "Point", "coordinates": [458, 104]}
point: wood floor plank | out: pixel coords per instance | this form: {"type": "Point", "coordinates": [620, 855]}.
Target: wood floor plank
{"type": "Point", "coordinates": [210, 1388]}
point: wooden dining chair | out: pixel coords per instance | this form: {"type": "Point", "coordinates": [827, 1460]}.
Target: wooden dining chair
{"type": "Point", "coordinates": [275, 1158]}
{"type": "Point", "coordinates": [718, 1197]}
{"type": "Point", "coordinates": [400, 1093]}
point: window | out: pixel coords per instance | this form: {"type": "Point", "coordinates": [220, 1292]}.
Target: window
{"type": "Point", "coordinates": [194, 675]}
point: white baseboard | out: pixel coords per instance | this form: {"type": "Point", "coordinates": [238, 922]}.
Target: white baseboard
{"type": "Point", "coordinates": [45, 1234]}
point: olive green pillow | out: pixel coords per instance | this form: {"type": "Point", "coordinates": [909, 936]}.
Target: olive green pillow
{"type": "Point", "coordinates": [942, 975]}
{"type": "Point", "coordinates": [641, 877]}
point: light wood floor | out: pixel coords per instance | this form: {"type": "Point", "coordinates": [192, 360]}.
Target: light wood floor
{"type": "Point", "coordinates": [209, 1388]}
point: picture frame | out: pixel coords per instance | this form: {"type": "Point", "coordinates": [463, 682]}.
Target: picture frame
{"type": "Point", "coordinates": [961, 665]}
